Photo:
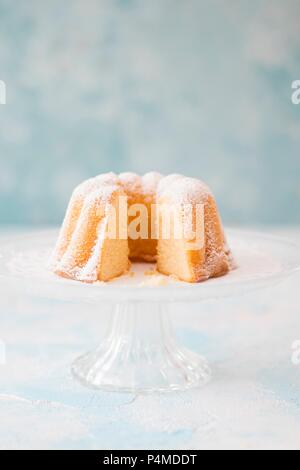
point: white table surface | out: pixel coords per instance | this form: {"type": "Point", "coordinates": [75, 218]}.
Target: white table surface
{"type": "Point", "coordinates": [253, 401]}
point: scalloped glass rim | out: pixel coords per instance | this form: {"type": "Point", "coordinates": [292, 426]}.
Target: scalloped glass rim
{"type": "Point", "coordinates": [262, 260]}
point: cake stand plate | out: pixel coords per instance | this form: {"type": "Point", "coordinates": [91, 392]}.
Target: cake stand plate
{"type": "Point", "coordinates": [141, 353]}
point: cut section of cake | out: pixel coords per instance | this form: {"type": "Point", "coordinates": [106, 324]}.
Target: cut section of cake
{"type": "Point", "coordinates": [141, 193]}
{"type": "Point", "coordinates": [194, 249]}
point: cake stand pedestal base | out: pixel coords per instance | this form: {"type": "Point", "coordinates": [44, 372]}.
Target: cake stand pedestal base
{"type": "Point", "coordinates": [141, 354]}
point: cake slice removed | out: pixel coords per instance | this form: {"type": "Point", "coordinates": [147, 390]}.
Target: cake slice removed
{"type": "Point", "coordinates": [141, 192]}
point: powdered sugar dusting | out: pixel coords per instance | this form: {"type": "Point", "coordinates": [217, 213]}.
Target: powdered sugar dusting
{"type": "Point", "coordinates": [194, 200]}
{"type": "Point", "coordinates": [131, 182]}
{"type": "Point", "coordinates": [89, 273]}
{"type": "Point", "coordinates": [99, 203]}
{"type": "Point", "coordinates": [95, 183]}
{"type": "Point", "coordinates": [166, 182]}
{"type": "Point", "coordinates": [101, 197]}
{"type": "Point", "coordinates": [184, 190]}
{"type": "Point", "coordinates": [150, 182]}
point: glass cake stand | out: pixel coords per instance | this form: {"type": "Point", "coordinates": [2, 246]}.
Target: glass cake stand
{"type": "Point", "coordinates": [141, 352]}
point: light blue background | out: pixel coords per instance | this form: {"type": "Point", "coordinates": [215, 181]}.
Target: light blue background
{"type": "Point", "coordinates": [199, 87]}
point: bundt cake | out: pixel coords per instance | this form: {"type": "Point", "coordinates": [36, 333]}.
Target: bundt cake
{"type": "Point", "coordinates": [112, 219]}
